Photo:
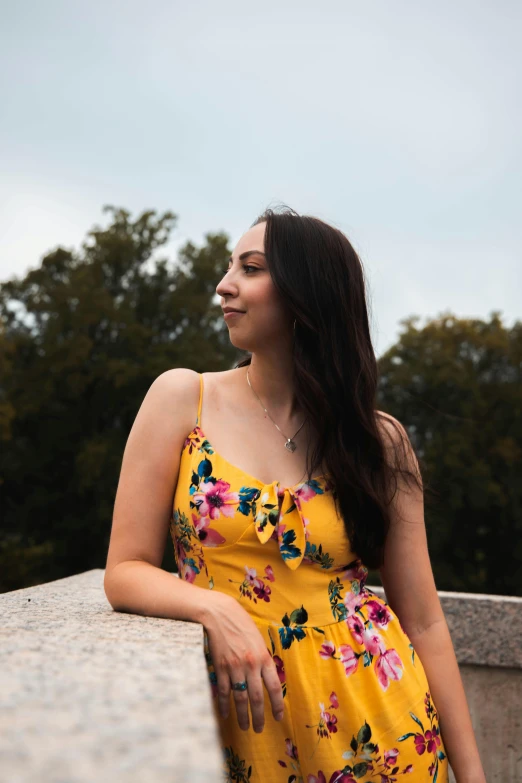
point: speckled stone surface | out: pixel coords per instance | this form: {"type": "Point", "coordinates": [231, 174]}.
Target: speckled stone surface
{"type": "Point", "coordinates": [90, 694]}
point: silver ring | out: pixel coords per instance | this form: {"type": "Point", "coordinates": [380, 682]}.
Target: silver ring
{"type": "Point", "coordinates": [239, 686]}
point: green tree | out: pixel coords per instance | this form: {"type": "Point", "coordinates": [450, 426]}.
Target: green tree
{"type": "Point", "coordinates": [456, 385]}
{"type": "Point", "coordinates": [82, 337]}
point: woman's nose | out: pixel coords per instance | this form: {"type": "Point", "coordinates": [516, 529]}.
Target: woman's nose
{"type": "Point", "coordinates": [225, 286]}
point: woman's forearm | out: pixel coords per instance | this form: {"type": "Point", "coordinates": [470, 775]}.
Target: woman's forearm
{"type": "Point", "coordinates": [435, 650]}
{"type": "Point", "coordinates": [138, 587]}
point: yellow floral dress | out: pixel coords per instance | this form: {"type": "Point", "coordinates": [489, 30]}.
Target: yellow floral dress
{"type": "Point", "coordinates": [357, 701]}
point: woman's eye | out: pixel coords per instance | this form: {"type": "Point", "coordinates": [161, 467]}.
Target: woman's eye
{"type": "Point", "coordinates": [245, 266]}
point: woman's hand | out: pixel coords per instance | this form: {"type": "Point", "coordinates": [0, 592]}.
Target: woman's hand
{"type": "Point", "coordinates": [238, 653]}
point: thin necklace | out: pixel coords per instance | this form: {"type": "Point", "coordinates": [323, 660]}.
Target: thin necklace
{"type": "Point", "coordinates": [289, 442]}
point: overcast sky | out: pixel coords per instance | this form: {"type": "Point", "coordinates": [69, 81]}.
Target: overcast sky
{"type": "Point", "coordinates": [399, 123]}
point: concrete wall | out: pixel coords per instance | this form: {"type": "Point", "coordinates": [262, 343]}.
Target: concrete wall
{"type": "Point", "coordinates": [88, 694]}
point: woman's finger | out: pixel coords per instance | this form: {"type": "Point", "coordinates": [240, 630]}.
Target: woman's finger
{"type": "Point", "coordinates": [273, 686]}
{"type": "Point", "coordinates": [256, 698]}
{"type": "Point", "coordinates": [241, 699]}
{"type": "Point", "coordinates": [223, 689]}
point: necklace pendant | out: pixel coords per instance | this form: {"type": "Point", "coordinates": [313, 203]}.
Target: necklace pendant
{"type": "Point", "coordinates": [290, 445]}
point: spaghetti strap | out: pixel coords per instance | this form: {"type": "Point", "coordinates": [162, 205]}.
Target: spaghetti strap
{"type": "Point", "coordinates": [198, 420]}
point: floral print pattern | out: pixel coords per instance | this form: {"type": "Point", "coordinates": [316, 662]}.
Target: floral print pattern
{"type": "Point", "coordinates": [366, 759]}
{"type": "Point", "coordinates": [256, 587]}
{"type": "Point", "coordinates": [352, 685]}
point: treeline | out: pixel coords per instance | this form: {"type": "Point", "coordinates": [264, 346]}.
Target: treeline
{"type": "Point", "coordinates": [83, 336]}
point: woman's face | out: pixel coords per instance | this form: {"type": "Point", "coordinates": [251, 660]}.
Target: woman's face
{"type": "Point", "coordinates": [247, 286]}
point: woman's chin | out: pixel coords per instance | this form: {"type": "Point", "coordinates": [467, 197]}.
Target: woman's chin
{"type": "Point", "coordinates": [237, 342]}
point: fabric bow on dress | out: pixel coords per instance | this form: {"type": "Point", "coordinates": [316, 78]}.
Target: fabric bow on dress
{"type": "Point", "coordinates": [283, 521]}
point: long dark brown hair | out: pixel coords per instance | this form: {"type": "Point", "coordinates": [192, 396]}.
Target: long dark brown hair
{"type": "Point", "coordinates": [318, 273]}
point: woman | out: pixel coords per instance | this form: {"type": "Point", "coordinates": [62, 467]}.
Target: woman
{"type": "Point", "coordinates": [289, 486]}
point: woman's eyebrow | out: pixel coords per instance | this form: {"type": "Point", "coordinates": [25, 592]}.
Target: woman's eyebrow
{"type": "Point", "coordinates": [248, 253]}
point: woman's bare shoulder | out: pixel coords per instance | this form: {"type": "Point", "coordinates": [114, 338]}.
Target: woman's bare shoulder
{"type": "Point", "coordinates": [391, 426]}
{"type": "Point", "coordinates": [177, 390]}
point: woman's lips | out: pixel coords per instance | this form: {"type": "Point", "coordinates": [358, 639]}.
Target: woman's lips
{"type": "Point", "coordinates": [232, 315]}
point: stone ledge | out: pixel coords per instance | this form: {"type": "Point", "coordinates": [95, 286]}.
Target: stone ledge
{"type": "Point", "coordinates": [90, 694]}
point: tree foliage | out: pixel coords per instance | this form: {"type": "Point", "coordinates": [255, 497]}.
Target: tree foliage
{"type": "Point", "coordinates": [456, 385]}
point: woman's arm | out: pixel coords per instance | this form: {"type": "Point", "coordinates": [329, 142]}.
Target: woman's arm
{"type": "Point", "coordinates": [435, 650]}
{"type": "Point", "coordinates": [408, 582]}
{"type": "Point", "coordinates": [134, 580]}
